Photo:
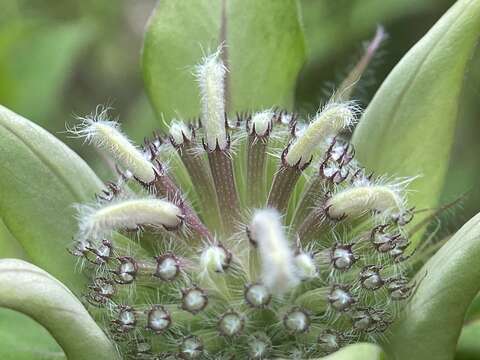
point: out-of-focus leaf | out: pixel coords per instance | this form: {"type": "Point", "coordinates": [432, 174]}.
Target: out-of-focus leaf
{"type": "Point", "coordinates": [9, 246]}
{"type": "Point", "coordinates": [331, 27]}
{"type": "Point", "coordinates": [408, 128]}
{"type": "Point", "coordinates": [263, 44]}
{"type": "Point", "coordinates": [33, 292]}
{"type": "Point", "coordinates": [360, 351]}
{"type": "Point", "coordinates": [24, 339]}
{"type": "Point", "coordinates": [432, 321]}
{"type": "Point", "coordinates": [464, 168]}
{"type": "Point", "coordinates": [40, 180]}
{"type": "Point", "coordinates": [35, 61]}
{"type": "Point", "coordinates": [468, 347]}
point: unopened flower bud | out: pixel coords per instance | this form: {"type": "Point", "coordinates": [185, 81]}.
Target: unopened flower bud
{"type": "Point", "coordinates": [278, 268]}
{"type": "Point", "coordinates": [168, 267]}
{"type": "Point", "coordinates": [194, 300]}
{"type": "Point", "coordinates": [305, 265]}
{"type": "Point", "coordinates": [257, 295]}
{"type": "Point", "coordinates": [211, 77]}
{"type": "Point", "coordinates": [128, 214]}
{"type": "Point", "coordinates": [107, 136]}
{"type": "Point", "coordinates": [296, 321]}
{"type": "Point", "coordinates": [191, 348]}
{"type": "Point", "coordinates": [179, 133]}
{"type": "Point", "coordinates": [231, 324]}
{"type": "Point", "coordinates": [326, 125]}
{"type": "Point", "coordinates": [215, 258]}
{"type": "Point", "coordinates": [158, 319]}
{"type": "Point", "coordinates": [340, 298]}
{"type": "Point", "coordinates": [356, 201]}
{"type": "Point", "coordinates": [261, 123]}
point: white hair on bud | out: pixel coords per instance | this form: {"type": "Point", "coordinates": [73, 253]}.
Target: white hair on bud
{"type": "Point", "coordinates": [306, 267]}
{"type": "Point", "coordinates": [356, 201]}
{"type": "Point", "coordinates": [278, 270]}
{"type": "Point", "coordinates": [211, 76]}
{"type": "Point", "coordinates": [106, 135]}
{"type": "Point", "coordinates": [179, 132]}
{"type": "Point", "coordinates": [261, 122]}
{"type": "Point", "coordinates": [96, 222]}
{"type": "Point", "coordinates": [214, 259]}
{"type": "Point", "coordinates": [326, 124]}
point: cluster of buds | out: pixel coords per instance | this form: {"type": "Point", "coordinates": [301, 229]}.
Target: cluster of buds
{"type": "Point", "coordinates": [256, 262]}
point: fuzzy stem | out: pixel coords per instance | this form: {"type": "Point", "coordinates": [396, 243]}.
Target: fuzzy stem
{"type": "Point", "coordinates": [282, 187]}
{"type": "Point", "coordinates": [165, 186]}
{"type": "Point", "coordinates": [202, 180]}
{"type": "Point", "coordinates": [311, 226]}
{"type": "Point", "coordinates": [307, 202]}
{"type": "Point", "coordinates": [256, 170]}
{"type": "Point", "coordinates": [348, 85]}
{"type": "Point", "coordinates": [224, 180]}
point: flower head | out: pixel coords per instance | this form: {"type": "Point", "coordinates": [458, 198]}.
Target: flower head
{"type": "Point", "coordinates": [261, 267]}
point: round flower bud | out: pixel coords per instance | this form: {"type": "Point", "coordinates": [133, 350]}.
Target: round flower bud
{"type": "Point", "coordinates": [102, 290]}
{"type": "Point", "coordinates": [80, 248]}
{"type": "Point", "coordinates": [370, 277]}
{"type": "Point", "coordinates": [340, 298]}
{"type": "Point", "coordinates": [231, 324]}
{"type": "Point", "coordinates": [126, 270]}
{"type": "Point", "coordinates": [158, 319]}
{"type": "Point", "coordinates": [168, 267]}
{"type": "Point", "coordinates": [296, 321]}
{"type": "Point", "coordinates": [194, 300]}
{"type": "Point", "coordinates": [342, 257]}
{"type": "Point", "coordinates": [329, 341]}
{"type": "Point", "coordinates": [215, 258]}
{"type": "Point", "coordinates": [399, 288]}
{"type": "Point", "coordinates": [259, 346]}
{"type": "Point", "coordinates": [191, 348]}
{"type": "Point", "coordinates": [305, 265]}
{"type": "Point", "coordinates": [257, 295]}
{"type": "Point", "coordinates": [103, 252]}
{"type": "Point", "coordinates": [126, 319]}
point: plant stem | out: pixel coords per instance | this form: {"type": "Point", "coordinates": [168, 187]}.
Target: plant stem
{"type": "Point", "coordinates": [224, 180]}
{"type": "Point", "coordinates": [282, 186]}
{"type": "Point", "coordinates": [312, 224]}
{"type": "Point", "coordinates": [202, 180]}
{"type": "Point", "coordinates": [164, 185]}
{"type": "Point", "coordinates": [307, 202]}
{"type": "Point", "coordinates": [256, 170]}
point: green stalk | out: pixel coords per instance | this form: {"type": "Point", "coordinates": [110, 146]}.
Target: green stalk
{"type": "Point", "coordinates": [282, 186]}
{"type": "Point", "coordinates": [311, 226]}
{"type": "Point", "coordinates": [307, 202]}
{"type": "Point", "coordinates": [256, 170]}
{"type": "Point", "coordinates": [165, 186]}
{"type": "Point", "coordinates": [224, 180]}
{"type": "Point", "coordinates": [202, 180]}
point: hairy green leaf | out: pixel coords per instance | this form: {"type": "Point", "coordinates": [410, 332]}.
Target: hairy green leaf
{"type": "Point", "coordinates": [432, 321]}
{"type": "Point", "coordinates": [30, 290]}
{"type": "Point", "coordinates": [408, 128]}
{"type": "Point", "coordinates": [40, 180]}
{"type": "Point", "coordinates": [263, 48]}
{"type": "Point", "coordinates": [24, 339]}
